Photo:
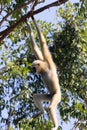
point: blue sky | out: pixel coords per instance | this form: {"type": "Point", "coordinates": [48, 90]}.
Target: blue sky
{"type": "Point", "coordinates": [49, 14]}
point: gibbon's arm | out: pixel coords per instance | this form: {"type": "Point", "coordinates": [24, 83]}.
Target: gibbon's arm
{"type": "Point", "coordinates": [45, 51]}
{"type": "Point", "coordinates": [35, 48]}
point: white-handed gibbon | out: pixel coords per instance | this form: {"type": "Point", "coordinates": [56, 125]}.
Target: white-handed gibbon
{"type": "Point", "coordinates": [45, 66]}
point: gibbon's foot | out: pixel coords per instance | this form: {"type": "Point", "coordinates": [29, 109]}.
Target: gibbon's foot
{"type": "Point", "coordinates": [55, 128]}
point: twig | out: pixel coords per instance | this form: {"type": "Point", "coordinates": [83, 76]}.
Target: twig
{"type": "Point", "coordinates": [75, 125]}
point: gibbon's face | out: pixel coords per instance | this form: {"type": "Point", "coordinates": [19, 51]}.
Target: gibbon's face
{"type": "Point", "coordinates": [39, 66]}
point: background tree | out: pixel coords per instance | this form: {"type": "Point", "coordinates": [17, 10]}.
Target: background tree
{"type": "Point", "coordinates": [67, 41]}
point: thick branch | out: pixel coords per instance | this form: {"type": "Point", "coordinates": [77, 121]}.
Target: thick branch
{"type": "Point", "coordinates": [29, 14]}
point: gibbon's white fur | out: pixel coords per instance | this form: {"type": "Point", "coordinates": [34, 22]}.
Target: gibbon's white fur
{"type": "Point", "coordinates": [45, 66]}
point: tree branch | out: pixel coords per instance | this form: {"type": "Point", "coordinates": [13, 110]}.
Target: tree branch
{"type": "Point", "coordinates": [6, 32]}
{"type": "Point", "coordinates": [17, 9]}
{"type": "Point", "coordinates": [21, 6]}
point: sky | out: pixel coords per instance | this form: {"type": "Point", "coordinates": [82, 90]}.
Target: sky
{"type": "Point", "coordinates": [49, 14]}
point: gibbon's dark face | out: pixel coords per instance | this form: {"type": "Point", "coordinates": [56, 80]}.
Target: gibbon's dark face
{"type": "Point", "coordinates": [36, 66]}
{"type": "Point", "coordinates": [34, 69]}
{"type": "Point", "coordinates": [39, 66]}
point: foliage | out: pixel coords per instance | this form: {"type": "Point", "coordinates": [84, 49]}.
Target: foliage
{"type": "Point", "coordinates": [68, 44]}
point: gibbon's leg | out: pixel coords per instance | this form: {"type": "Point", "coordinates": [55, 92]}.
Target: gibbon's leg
{"type": "Point", "coordinates": [39, 98]}
{"type": "Point", "coordinates": [55, 100]}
